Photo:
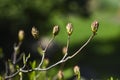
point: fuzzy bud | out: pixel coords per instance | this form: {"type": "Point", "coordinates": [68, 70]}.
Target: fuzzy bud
{"type": "Point", "coordinates": [76, 70]}
{"type": "Point", "coordinates": [64, 50]}
{"type": "Point", "coordinates": [55, 30]}
{"type": "Point", "coordinates": [94, 26]}
{"type": "Point", "coordinates": [21, 35]}
{"type": "Point", "coordinates": [69, 28]}
{"type": "Point", "coordinates": [35, 32]}
{"type": "Point", "coordinates": [45, 63]}
{"type": "Point", "coordinates": [60, 75]}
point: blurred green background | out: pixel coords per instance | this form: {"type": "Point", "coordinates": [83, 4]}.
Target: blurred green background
{"type": "Point", "coordinates": [100, 59]}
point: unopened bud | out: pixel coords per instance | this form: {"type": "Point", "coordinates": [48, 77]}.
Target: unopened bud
{"type": "Point", "coordinates": [45, 63]}
{"type": "Point", "coordinates": [94, 26]}
{"type": "Point", "coordinates": [55, 30]}
{"type": "Point", "coordinates": [21, 35]}
{"type": "Point", "coordinates": [60, 75]}
{"type": "Point", "coordinates": [35, 32]}
{"type": "Point", "coordinates": [69, 28]}
{"type": "Point", "coordinates": [76, 70]}
{"type": "Point", "coordinates": [64, 50]}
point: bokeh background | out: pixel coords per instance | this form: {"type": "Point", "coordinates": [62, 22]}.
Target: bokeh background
{"type": "Point", "coordinates": [99, 60]}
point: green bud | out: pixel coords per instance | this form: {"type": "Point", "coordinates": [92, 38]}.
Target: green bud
{"type": "Point", "coordinates": [21, 35]}
{"type": "Point", "coordinates": [20, 74]}
{"type": "Point", "coordinates": [55, 30]}
{"type": "Point", "coordinates": [69, 28]}
{"type": "Point", "coordinates": [35, 32]}
{"type": "Point", "coordinates": [76, 70]}
{"type": "Point", "coordinates": [94, 26]}
{"type": "Point", "coordinates": [24, 61]}
{"type": "Point", "coordinates": [45, 63]}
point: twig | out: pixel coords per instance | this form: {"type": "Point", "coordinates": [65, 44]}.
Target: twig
{"type": "Point", "coordinates": [44, 51]}
{"type": "Point", "coordinates": [68, 42]}
{"type": "Point", "coordinates": [61, 61]}
{"type": "Point", "coordinates": [91, 37]}
{"type": "Point", "coordinates": [19, 70]}
{"type": "Point", "coordinates": [49, 43]}
{"type": "Point", "coordinates": [16, 48]}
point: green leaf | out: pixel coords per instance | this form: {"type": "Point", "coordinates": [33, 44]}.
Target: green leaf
{"type": "Point", "coordinates": [24, 62]}
{"type": "Point", "coordinates": [40, 50]}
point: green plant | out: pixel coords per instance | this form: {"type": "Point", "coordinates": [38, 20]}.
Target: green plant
{"type": "Point", "coordinates": [36, 71]}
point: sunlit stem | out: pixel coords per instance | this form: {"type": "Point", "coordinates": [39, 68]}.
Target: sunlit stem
{"type": "Point", "coordinates": [68, 42]}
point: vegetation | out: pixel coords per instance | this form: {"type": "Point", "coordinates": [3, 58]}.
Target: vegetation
{"type": "Point", "coordinates": [13, 68]}
{"type": "Point", "coordinates": [99, 60]}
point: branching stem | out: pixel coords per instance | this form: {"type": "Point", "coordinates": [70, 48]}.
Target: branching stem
{"type": "Point", "coordinates": [64, 59]}
{"type": "Point", "coordinates": [44, 51]}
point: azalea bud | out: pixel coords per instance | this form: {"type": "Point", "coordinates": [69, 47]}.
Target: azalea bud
{"type": "Point", "coordinates": [45, 63]}
{"type": "Point", "coordinates": [76, 70]}
{"type": "Point", "coordinates": [64, 50]}
{"type": "Point", "coordinates": [35, 32]}
{"type": "Point", "coordinates": [55, 30]}
{"type": "Point", "coordinates": [21, 35]}
{"type": "Point", "coordinates": [60, 75]}
{"type": "Point", "coordinates": [69, 28]}
{"type": "Point", "coordinates": [94, 26]}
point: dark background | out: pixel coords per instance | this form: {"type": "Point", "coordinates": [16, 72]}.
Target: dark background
{"type": "Point", "coordinates": [100, 59]}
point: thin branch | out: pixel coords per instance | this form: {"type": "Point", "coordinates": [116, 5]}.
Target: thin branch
{"type": "Point", "coordinates": [91, 37]}
{"type": "Point", "coordinates": [68, 42]}
{"type": "Point", "coordinates": [14, 74]}
{"type": "Point", "coordinates": [20, 70]}
{"type": "Point", "coordinates": [44, 51]}
{"type": "Point", "coordinates": [16, 48]}
{"type": "Point", "coordinates": [69, 57]}
{"type": "Point", "coordinates": [61, 61]}
{"type": "Point", "coordinates": [49, 43]}
{"type": "Point", "coordinates": [43, 56]}
{"type": "Point", "coordinates": [21, 55]}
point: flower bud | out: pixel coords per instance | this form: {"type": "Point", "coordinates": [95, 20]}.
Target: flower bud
{"type": "Point", "coordinates": [35, 32]}
{"type": "Point", "coordinates": [21, 35]}
{"type": "Point", "coordinates": [69, 28]}
{"type": "Point", "coordinates": [76, 70]}
{"type": "Point", "coordinates": [45, 63]}
{"type": "Point", "coordinates": [64, 50]}
{"type": "Point", "coordinates": [55, 30]}
{"type": "Point", "coordinates": [60, 75]}
{"type": "Point", "coordinates": [94, 26]}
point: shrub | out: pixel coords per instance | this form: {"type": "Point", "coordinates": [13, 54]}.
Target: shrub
{"type": "Point", "coordinates": [36, 71]}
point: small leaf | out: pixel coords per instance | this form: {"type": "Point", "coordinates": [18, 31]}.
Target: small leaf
{"type": "Point", "coordinates": [28, 56]}
{"type": "Point", "coordinates": [40, 50]}
{"type": "Point", "coordinates": [33, 64]}
{"type": "Point", "coordinates": [24, 62]}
